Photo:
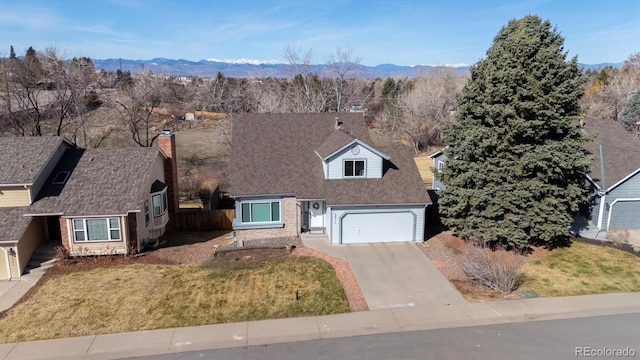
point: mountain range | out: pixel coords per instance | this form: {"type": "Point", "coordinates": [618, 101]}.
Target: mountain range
{"type": "Point", "coordinates": [250, 69]}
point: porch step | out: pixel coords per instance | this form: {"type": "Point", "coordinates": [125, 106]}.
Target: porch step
{"type": "Point", "coordinates": [316, 230]}
{"type": "Point", "coordinates": [43, 257]}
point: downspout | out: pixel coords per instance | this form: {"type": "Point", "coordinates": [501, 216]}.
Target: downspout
{"type": "Point", "coordinates": [297, 215]}
{"type": "Point", "coordinates": [603, 197]}
{"type": "Point", "coordinates": [602, 169]}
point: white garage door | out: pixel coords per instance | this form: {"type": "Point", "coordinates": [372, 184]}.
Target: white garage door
{"type": "Point", "coordinates": [377, 227]}
{"type": "Point", "coordinates": [625, 215]}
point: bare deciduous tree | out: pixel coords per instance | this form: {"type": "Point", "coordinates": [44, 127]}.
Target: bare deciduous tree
{"type": "Point", "coordinates": [136, 104]}
{"type": "Point", "coordinates": [343, 66]}
{"type": "Point", "coordinates": [419, 114]}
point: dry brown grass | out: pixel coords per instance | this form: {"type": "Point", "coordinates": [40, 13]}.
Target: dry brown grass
{"type": "Point", "coordinates": [583, 269]}
{"type": "Point", "coordinates": [142, 297]}
{"type": "Point", "coordinates": [425, 165]}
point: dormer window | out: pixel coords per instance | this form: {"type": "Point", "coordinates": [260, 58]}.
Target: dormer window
{"type": "Point", "coordinates": [354, 168]}
{"type": "Point", "coordinates": [61, 177]}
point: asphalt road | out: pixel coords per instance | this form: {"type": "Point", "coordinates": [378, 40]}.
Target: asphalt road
{"type": "Point", "coordinates": [598, 337]}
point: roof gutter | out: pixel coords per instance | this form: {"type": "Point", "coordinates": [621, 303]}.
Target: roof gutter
{"type": "Point", "coordinates": [263, 195]}
{"type": "Point", "coordinates": [379, 205]}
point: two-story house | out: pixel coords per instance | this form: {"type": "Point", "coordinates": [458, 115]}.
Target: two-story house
{"type": "Point", "coordinates": [90, 201]}
{"type": "Point", "coordinates": [322, 172]}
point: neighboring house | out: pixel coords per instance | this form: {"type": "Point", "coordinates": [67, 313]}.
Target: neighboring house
{"type": "Point", "coordinates": [439, 159]}
{"type": "Point", "coordinates": [317, 171]}
{"type": "Point", "coordinates": [92, 202]}
{"type": "Point", "coordinates": [614, 197]}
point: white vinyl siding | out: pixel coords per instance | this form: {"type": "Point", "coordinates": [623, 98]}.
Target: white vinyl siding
{"type": "Point", "coordinates": [97, 229]}
{"type": "Point", "coordinates": [373, 163]}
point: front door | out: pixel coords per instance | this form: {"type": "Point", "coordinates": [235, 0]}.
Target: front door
{"type": "Point", "coordinates": [316, 214]}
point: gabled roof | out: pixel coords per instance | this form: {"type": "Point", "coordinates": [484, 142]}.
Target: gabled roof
{"type": "Point", "coordinates": [333, 142]}
{"type": "Point", "coordinates": [340, 140]}
{"type": "Point", "coordinates": [621, 152]}
{"type": "Point", "coordinates": [23, 158]}
{"type": "Point", "coordinates": [400, 184]}
{"type": "Point", "coordinates": [276, 154]}
{"type": "Point", "coordinates": [101, 182]}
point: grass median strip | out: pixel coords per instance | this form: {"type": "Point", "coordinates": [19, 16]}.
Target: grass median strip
{"type": "Point", "coordinates": [144, 297]}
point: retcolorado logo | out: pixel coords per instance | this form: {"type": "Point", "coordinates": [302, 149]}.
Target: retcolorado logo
{"type": "Point", "coordinates": [588, 351]}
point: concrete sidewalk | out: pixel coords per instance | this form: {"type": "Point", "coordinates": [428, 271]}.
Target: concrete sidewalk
{"type": "Point", "coordinates": [146, 343]}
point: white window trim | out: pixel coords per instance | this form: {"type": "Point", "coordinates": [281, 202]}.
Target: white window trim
{"type": "Point", "coordinates": [163, 203]}
{"type": "Point", "coordinates": [354, 169]}
{"type": "Point", "coordinates": [270, 213]}
{"type": "Point", "coordinates": [86, 236]}
{"type": "Point", "coordinates": [440, 165]}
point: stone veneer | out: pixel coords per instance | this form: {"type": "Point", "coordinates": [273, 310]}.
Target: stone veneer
{"type": "Point", "coordinates": [289, 213]}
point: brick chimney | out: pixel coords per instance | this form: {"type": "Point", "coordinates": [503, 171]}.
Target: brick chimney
{"type": "Point", "coordinates": [167, 143]}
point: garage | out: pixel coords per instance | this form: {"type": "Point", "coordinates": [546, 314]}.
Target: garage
{"type": "Point", "coordinates": [372, 227]}
{"type": "Point", "coordinates": [625, 214]}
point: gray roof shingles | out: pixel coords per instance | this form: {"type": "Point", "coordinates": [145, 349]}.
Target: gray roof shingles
{"type": "Point", "coordinates": [102, 182]}
{"type": "Point", "coordinates": [276, 154]}
{"type": "Point", "coordinates": [22, 158]}
{"type": "Point", "coordinates": [621, 151]}
{"type": "Point", "coordinates": [333, 142]}
{"type": "Point", "coordinates": [12, 223]}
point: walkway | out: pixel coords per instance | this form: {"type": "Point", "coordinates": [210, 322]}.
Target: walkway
{"type": "Point", "coordinates": [155, 342]}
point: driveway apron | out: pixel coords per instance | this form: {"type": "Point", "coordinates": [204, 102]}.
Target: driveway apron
{"type": "Point", "coordinates": [395, 275]}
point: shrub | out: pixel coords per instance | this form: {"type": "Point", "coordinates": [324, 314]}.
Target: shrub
{"type": "Point", "coordinates": [496, 269]}
{"type": "Point", "coordinates": [618, 236]}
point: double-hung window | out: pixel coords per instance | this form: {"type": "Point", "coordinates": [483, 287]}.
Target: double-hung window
{"type": "Point", "coordinates": [159, 201]}
{"type": "Point", "coordinates": [98, 229]}
{"type": "Point", "coordinates": [260, 211]}
{"type": "Point", "coordinates": [354, 168]}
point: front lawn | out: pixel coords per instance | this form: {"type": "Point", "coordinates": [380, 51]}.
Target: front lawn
{"type": "Point", "coordinates": [583, 269]}
{"type": "Point", "coordinates": [142, 297]}
{"type": "Point", "coordinates": [580, 269]}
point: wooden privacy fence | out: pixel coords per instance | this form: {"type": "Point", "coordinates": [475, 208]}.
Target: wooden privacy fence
{"type": "Point", "coordinates": [204, 220]}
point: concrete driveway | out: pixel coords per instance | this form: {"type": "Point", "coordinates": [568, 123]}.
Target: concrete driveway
{"type": "Point", "coordinates": [394, 275]}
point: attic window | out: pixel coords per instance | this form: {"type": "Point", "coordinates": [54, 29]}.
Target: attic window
{"type": "Point", "coordinates": [354, 168]}
{"type": "Point", "coordinates": [61, 177]}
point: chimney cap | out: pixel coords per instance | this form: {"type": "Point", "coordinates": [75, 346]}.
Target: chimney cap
{"type": "Point", "coordinates": [166, 132]}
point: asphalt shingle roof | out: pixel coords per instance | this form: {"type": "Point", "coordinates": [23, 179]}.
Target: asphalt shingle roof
{"type": "Point", "coordinates": [333, 142]}
{"type": "Point", "coordinates": [101, 182]}
{"type": "Point", "coordinates": [12, 223]}
{"type": "Point", "coordinates": [620, 149]}
{"type": "Point", "coordinates": [276, 154]}
{"type": "Point", "coordinates": [22, 158]}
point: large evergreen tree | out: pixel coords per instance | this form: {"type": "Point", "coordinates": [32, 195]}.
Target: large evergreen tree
{"type": "Point", "coordinates": [630, 115]}
{"type": "Point", "coordinates": [515, 166]}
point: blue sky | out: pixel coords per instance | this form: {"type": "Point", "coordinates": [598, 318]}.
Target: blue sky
{"type": "Point", "coordinates": [397, 32]}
